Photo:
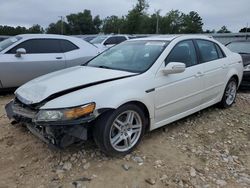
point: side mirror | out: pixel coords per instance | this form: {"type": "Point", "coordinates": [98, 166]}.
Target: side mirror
{"type": "Point", "coordinates": [20, 51]}
{"type": "Point", "coordinates": [174, 67]}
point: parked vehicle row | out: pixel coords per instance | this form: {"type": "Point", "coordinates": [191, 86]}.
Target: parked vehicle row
{"type": "Point", "coordinates": [28, 56]}
{"type": "Point", "coordinates": [134, 87]}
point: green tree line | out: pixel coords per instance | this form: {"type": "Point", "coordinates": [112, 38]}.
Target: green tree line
{"type": "Point", "coordinates": [8, 30]}
{"type": "Point", "coordinates": [137, 21]}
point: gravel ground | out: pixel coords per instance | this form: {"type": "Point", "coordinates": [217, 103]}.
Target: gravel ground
{"type": "Point", "coordinates": [208, 149]}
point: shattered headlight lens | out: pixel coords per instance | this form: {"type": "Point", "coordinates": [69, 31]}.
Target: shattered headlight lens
{"type": "Point", "coordinates": [65, 114]}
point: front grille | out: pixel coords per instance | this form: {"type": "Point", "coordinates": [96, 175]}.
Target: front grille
{"type": "Point", "coordinates": [23, 110]}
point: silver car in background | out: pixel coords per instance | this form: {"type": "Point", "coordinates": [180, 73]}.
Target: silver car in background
{"type": "Point", "coordinates": [28, 56]}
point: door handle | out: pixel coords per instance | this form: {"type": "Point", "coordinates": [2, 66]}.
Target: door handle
{"type": "Point", "coordinates": [58, 57]}
{"type": "Point", "coordinates": [199, 74]}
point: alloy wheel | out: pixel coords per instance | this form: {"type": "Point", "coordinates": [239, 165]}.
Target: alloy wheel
{"type": "Point", "coordinates": [231, 92]}
{"type": "Point", "coordinates": [125, 130]}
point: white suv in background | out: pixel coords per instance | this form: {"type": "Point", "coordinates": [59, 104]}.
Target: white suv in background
{"type": "Point", "coordinates": [104, 42]}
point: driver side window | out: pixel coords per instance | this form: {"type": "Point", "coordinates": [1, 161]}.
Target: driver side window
{"type": "Point", "coordinates": [38, 46]}
{"type": "Point", "coordinates": [183, 52]}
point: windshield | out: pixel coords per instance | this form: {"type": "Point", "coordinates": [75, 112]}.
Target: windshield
{"type": "Point", "coordinates": [98, 39]}
{"type": "Point", "coordinates": [132, 56]}
{"type": "Point", "coordinates": [8, 42]}
{"type": "Point", "coordinates": [239, 47]}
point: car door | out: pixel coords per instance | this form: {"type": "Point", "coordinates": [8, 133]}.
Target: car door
{"type": "Point", "coordinates": [77, 55]}
{"type": "Point", "coordinates": [215, 69]}
{"type": "Point", "coordinates": [72, 53]}
{"type": "Point", "coordinates": [42, 56]}
{"type": "Point", "coordinates": [178, 95]}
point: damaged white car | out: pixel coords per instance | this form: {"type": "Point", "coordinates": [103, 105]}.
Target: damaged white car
{"type": "Point", "coordinates": [137, 86]}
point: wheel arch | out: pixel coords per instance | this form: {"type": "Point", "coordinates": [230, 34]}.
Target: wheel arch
{"type": "Point", "coordinates": [142, 106]}
{"type": "Point", "coordinates": [223, 103]}
{"type": "Point", "coordinates": [236, 78]}
{"type": "Point", "coordinates": [229, 76]}
{"type": "Point", "coordinates": [233, 73]}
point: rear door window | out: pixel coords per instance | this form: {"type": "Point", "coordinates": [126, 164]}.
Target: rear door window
{"type": "Point", "coordinates": [208, 51]}
{"type": "Point", "coordinates": [68, 46]}
{"type": "Point", "coordinates": [38, 46]}
{"type": "Point", "coordinates": [220, 52]}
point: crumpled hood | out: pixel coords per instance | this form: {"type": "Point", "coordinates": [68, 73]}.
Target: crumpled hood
{"type": "Point", "coordinates": [246, 59]}
{"type": "Point", "coordinates": [65, 80]}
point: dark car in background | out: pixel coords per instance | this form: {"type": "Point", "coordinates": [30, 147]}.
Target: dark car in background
{"type": "Point", "coordinates": [243, 48]}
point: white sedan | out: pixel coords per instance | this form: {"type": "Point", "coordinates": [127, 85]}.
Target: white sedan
{"type": "Point", "coordinates": [104, 42]}
{"type": "Point", "coordinates": [25, 57]}
{"type": "Point", "coordinates": [134, 87]}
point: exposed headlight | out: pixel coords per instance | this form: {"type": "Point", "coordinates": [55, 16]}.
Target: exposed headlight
{"type": "Point", "coordinates": [65, 114]}
{"type": "Point", "coordinates": [247, 68]}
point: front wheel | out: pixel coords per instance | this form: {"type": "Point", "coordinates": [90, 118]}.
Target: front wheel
{"type": "Point", "coordinates": [118, 132]}
{"type": "Point", "coordinates": [229, 95]}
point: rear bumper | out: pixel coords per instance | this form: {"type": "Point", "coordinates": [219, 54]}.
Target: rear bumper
{"type": "Point", "coordinates": [60, 134]}
{"type": "Point", "coordinates": [245, 80]}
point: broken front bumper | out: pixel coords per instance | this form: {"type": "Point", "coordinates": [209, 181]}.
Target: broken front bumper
{"type": "Point", "coordinates": [60, 134]}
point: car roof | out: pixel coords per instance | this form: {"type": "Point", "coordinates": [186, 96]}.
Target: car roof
{"type": "Point", "coordinates": [156, 37]}
{"type": "Point", "coordinates": [113, 35]}
{"type": "Point", "coordinates": [172, 37]}
{"type": "Point", "coordinates": [33, 36]}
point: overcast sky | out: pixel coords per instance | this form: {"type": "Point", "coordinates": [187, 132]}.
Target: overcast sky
{"type": "Point", "coordinates": [235, 14]}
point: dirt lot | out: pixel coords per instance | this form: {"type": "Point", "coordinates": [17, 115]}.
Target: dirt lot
{"type": "Point", "coordinates": [208, 149]}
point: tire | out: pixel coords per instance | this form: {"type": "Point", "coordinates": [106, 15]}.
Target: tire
{"type": "Point", "coordinates": [230, 93]}
{"type": "Point", "coordinates": [115, 135]}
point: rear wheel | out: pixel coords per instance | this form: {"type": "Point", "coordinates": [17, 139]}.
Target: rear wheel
{"type": "Point", "coordinates": [230, 94]}
{"type": "Point", "coordinates": [119, 132]}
